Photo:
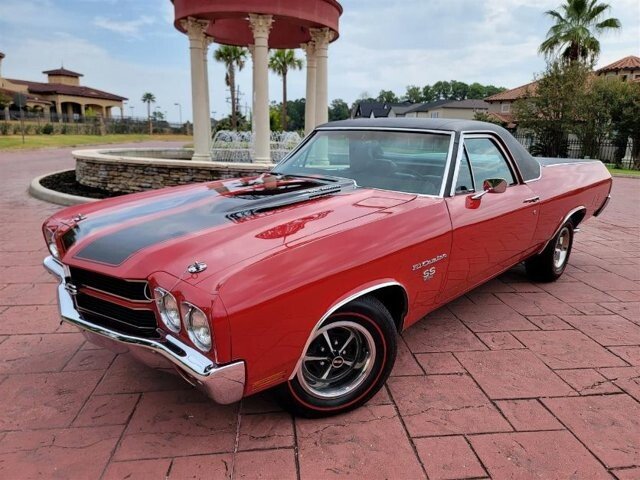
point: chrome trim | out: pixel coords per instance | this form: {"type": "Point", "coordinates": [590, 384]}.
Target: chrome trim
{"type": "Point", "coordinates": [566, 218]}
{"type": "Point", "coordinates": [222, 383]}
{"type": "Point", "coordinates": [104, 292]}
{"type": "Point", "coordinates": [531, 199]}
{"type": "Point", "coordinates": [577, 162]}
{"type": "Point", "coordinates": [335, 307]}
{"type": "Point", "coordinates": [451, 133]}
{"type": "Point", "coordinates": [503, 148]}
{"type": "Point", "coordinates": [188, 325]}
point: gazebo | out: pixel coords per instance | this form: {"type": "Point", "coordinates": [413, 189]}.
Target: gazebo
{"type": "Point", "coordinates": [258, 25]}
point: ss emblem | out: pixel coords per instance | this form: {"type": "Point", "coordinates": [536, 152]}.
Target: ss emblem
{"type": "Point", "coordinates": [428, 274]}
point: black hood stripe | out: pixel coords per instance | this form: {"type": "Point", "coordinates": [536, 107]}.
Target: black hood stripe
{"type": "Point", "coordinates": [114, 248]}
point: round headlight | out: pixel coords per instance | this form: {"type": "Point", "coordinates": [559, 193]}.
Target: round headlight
{"type": "Point", "coordinates": [197, 325]}
{"type": "Point", "coordinates": [53, 248]}
{"type": "Point", "coordinates": [168, 309]}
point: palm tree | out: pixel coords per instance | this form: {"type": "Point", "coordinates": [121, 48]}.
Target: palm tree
{"type": "Point", "coordinates": [577, 24]}
{"type": "Point", "coordinates": [149, 98]}
{"type": "Point", "coordinates": [232, 57]}
{"type": "Point", "coordinates": [281, 62]}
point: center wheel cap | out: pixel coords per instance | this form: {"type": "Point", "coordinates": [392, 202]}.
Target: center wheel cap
{"type": "Point", "coordinates": [337, 362]}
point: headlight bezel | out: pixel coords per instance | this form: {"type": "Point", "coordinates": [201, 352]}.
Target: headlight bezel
{"type": "Point", "coordinates": [188, 310]}
{"type": "Point", "coordinates": [161, 296]}
{"type": "Point", "coordinates": [52, 246]}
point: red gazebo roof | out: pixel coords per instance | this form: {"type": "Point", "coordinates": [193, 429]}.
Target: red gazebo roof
{"type": "Point", "coordinates": [292, 19]}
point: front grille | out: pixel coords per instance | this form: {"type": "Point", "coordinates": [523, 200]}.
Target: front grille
{"type": "Point", "coordinates": [134, 290]}
{"type": "Point", "coordinates": [116, 317]}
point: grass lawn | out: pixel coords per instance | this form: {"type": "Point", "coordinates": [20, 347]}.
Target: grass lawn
{"type": "Point", "coordinates": [624, 171]}
{"type": "Point", "coordinates": [14, 142]}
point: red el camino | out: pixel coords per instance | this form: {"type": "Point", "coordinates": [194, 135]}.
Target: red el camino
{"type": "Point", "coordinates": [301, 278]}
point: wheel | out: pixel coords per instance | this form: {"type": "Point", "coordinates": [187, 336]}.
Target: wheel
{"type": "Point", "coordinates": [347, 361]}
{"type": "Point", "coordinates": [550, 264]}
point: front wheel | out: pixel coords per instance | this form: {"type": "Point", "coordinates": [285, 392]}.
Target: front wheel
{"type": "Point", "coordinates": [550, 264]}
{"type": "Point", "coordinates": [346, 362]}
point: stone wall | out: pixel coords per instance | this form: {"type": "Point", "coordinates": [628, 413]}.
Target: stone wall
{"type": "Point", "coordinates": [137, 170]}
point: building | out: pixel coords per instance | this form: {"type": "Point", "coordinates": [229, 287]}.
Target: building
{"type": "Point", "coordinates": [61, 98]}
{"type": "Point", "coordinates": [501, 104]}
{"type": "Point", "coordinates": [459, 109]}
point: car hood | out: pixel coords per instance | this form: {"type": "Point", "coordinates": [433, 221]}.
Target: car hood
{"type": "Point", "coordinates": [219, 223]}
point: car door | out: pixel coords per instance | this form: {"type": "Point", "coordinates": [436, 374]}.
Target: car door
{"type": "Point", "coordinates": [491, 233]}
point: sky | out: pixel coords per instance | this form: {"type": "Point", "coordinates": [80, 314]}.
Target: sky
{"type": "Point", "coordinates": [129, 47]}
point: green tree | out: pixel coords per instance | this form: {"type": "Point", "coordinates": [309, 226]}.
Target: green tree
{"type": "Point", "coordinates": [338, 110]}
{"type": "Point", "coordinates": [492, 90]}
{"type": "Point", "coordinates": [555, 109]}
{"type": "Point", "coordinates": [441, 90]}
{"type": "Point", "coordinates": [281, 62]}
{"type": "Point", "coordinates": [275, 117]}
{"type": "Point", "coordinates": [148, 98]}
{"type": "Point", "coordinates": [459, 90]}
{"type": "Point", "coordinates": [574, 34]}
{"type": "Point", "coordinates": [387, 96]}
{"type": "Point", "coordinates": [233, 58]}
{"type": "Point", "coordinates": [295, 114]}
{"type": "Point", "coordinates": [477, 91]}
{"type": "Point", "coordinates": [413, 94]}
{"type": "Point", "coordinates": [428, 95]}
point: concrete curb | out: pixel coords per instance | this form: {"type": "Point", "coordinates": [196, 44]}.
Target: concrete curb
{"type": "Point", "coordinates": [622, 175]}
{"type": "Point", "coordinates": [36, 190]}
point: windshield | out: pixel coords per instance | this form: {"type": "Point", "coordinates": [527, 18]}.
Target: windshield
{"type": "Point", "coordinates": [390, 160]}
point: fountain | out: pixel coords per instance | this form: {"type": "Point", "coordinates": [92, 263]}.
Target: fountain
{"type": "Point", "coordinates": [238, 147]}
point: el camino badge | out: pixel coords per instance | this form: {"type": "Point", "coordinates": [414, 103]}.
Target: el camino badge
{"type": "Point", "coordinates": [429, 273]}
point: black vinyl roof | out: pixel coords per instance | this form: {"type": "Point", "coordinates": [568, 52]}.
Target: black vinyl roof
{"type": "Point", "coordinates": [529, 167]}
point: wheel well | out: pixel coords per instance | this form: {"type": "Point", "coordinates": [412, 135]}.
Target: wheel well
{"type": "Point", "coordinates": [577, 217]}
{"type": "Point", "coordinates": [394, 298]}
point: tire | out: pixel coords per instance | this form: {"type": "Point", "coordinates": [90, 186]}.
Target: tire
{"type": "Point", "coordinates": [336, 381]}
{"type": "Point", "coordinates": [549, 265]}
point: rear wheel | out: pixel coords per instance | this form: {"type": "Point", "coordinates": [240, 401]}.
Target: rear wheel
{"type": "Point", "coordinates": [551, 263]}
{"type": "Point", "coordinates": [347, 361]}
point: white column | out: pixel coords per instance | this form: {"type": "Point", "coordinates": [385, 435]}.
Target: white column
{"type": "Point", "coordinates": [199, 98]}
{"type": "Point", "coordinates": [321, 38]}
{"type": "Point", "coordinates": [310, 100]}
{"type": "Point", "coordinates": [260, 26]}
{"type": "Point", "coordinates": [205, 52]}
{"type": "Point", "coordinates": [253, 89]}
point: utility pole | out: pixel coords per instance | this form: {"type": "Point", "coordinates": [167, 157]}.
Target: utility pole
{"type": "Point", "coordinates": [179, 111]}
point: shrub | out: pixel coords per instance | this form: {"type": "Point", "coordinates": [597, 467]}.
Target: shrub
{"type": "Point", "coordinates": [47, 129]}
{"type": "Point", "coordinates": [4, 128]}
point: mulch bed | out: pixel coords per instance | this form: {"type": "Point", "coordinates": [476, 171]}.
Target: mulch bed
{"type": "Point", "coordinates": [65, 182]}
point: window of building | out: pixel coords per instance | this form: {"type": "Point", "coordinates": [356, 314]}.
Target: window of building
{"type": "Point", "coordinates": [505, 107]}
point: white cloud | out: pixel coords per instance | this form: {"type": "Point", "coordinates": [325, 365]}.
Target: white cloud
{"type": "Point", "coordinates": [131, 28]}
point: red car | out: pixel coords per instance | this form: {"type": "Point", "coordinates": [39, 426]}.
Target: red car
{"type": "Point", "coordinates": [302, 278]}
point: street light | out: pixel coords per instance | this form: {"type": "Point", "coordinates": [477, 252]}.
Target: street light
{"type": "Point", "coordinates": [179, 111]}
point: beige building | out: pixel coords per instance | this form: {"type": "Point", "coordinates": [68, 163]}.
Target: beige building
{"type": "Point", "coordinates": [460, 109]}
{"type": "Point", "coordinates": [626, 69]}
{"type": "Point", "coordinates": [61, 98]}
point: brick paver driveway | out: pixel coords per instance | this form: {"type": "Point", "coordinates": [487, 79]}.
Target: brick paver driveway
{"type": "Point", "coordinates": [514, 380]}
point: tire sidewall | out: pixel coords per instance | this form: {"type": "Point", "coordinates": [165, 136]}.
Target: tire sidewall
{"type": "Point", "coordinates": [560, 270]}
{"type": "Point", "coordinates": [381, 328]}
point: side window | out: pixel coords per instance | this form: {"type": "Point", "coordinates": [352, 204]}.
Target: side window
{"type": "Point", "coordinates": [487, 161]}
{"type": "Point", "coordinates": [465, 179]}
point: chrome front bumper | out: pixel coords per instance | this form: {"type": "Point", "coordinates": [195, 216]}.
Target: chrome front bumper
{"type": "Point", "coordinates": [222, 383]}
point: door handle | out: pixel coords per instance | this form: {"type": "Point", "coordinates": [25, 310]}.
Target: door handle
{"type": "Point", "coordinates": [531, 200]}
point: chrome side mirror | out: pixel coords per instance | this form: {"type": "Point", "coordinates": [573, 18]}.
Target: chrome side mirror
{"type": "Point", "coordinates": [491, 185]}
